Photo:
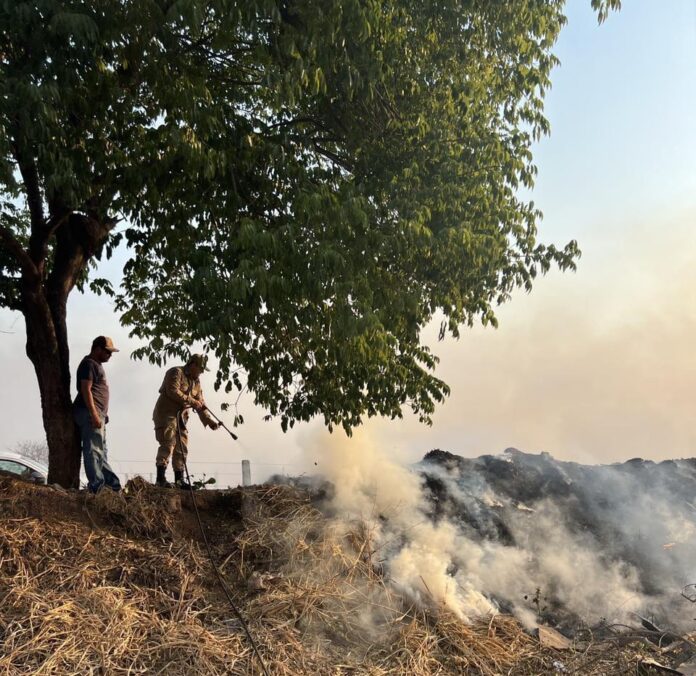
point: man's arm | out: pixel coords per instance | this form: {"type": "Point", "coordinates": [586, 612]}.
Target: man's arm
{"type": "Point", "coordinates": [203, 414]}
{"type": "Point", "coordinates": [86, 390]}
{"type": "Point", "coordinates": [207, 420]}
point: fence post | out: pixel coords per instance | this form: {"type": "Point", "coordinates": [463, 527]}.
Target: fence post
{"type": "Point", "coordinates": [246, 473]}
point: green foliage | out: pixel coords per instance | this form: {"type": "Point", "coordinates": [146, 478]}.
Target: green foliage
{"type": "Point", "coordinates": [15, 220]}
{"type": "Point", "coordinates": [603, 7]}
{"type": "Point", "coordinates": [199, 484]}
{"type": "Point", "coordinates": [304, 185]}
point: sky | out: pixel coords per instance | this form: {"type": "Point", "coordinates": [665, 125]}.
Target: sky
{"type": "Point", "coordinates": [596, 366]}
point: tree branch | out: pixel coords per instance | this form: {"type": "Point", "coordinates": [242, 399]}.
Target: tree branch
{"type": "Point", "coordinates": [337, 159]}
{"type": "Point", "coordinates": [296, 121]}
{"type": "Point", "coordinates": [30, 177]}
{"type": "Point", "coordinates": [40, 235]}
{"type": "Point", "coordinates": [13, 246]}
{"type": "Point", "coordinates": [77, 241]}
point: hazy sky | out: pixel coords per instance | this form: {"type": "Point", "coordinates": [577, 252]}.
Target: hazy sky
{"type": "Point", "coordinates": [596, 366]}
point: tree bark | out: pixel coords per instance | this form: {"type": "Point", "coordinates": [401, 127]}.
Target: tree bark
{"type": "Point", "coordinates": [45, 330]}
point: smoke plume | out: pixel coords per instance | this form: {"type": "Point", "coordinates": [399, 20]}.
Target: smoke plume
{"type": "Point", "coordinates": [549, 541]}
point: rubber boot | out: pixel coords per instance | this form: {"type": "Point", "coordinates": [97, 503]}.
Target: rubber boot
{"type": "Point", "coordinates": [161, 478]}
{"type": "Point", "coordinates": [180, 481]}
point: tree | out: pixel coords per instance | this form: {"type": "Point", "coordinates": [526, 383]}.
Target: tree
{"type": "Point", "coordinates": [303, 185]}
{"type": "Point", "coordinates": [34, 450]}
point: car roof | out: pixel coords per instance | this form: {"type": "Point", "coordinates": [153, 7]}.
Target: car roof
{"type": "Point", "coordinates": [18, 457]}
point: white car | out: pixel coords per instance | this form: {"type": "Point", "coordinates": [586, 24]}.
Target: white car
{"type": "Point", "coordinates": [29, 469]}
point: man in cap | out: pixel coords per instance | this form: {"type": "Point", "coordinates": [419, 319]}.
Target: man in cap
{"type": "Point", "coordinates": [90, 410]}
{"type": "Point", "coordinates": [180, 391]}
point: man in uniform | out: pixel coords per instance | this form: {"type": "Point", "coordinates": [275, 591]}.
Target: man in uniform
{"type": "Point", "coordinates": [181, 390]}
{"type": "Point", "coordinates": [90, 410]}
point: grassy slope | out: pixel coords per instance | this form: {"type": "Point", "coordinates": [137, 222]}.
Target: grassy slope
{"type": "Point", "coordinates": [122, 585]}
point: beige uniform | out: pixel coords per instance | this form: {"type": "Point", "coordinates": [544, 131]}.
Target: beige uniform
{"type": "Point", "coordinates": [178, 392]}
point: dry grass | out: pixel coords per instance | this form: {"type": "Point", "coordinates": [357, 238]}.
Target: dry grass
{"type": "Point", "coordinates": [136, 599]}
{"type": "Point", "coordinates": [145, 513]}
{"type": "Point", "coordinates": [76, 602]}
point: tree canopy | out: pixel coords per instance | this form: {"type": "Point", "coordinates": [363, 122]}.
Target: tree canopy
{"type": "Point", "coordinates": [303, 185]}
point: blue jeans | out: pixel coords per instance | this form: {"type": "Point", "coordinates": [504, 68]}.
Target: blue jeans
{"type": "Point", "coordinates": [94, 452]}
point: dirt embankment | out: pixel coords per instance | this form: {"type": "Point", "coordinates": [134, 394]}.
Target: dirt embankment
{"type": "Point", "coordinates": [122, 585]}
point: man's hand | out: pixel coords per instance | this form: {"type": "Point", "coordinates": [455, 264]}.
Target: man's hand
{"type": "Point", "coordinates": [213, 425]}
{"type": "Point", "coordinates": [198, 405]}
{"type": "Point", "coordinates": [95, 418]}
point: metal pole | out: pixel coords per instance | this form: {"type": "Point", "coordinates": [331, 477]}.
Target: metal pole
{"type": "Point", "coordinates": [246, 473]}
{"type": "Point", "coordinates": [229, 431]}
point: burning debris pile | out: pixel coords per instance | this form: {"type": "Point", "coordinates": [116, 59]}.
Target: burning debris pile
{"type": "Point", "coordinates": [587, 544]}
{"type": "Point", "coordinates": [338, 581]}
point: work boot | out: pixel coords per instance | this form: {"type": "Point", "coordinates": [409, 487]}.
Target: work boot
{"type": "Point", "coordinates": [161, 478]}
{"type": "Point", "coordinates": [180, 481]}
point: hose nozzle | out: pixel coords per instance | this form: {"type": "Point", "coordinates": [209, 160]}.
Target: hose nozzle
{"type": "Point", "coordinates": [222, 424]}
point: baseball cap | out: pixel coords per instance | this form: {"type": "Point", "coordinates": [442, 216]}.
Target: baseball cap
{"type": "Point", "coordinates": [105, 343]}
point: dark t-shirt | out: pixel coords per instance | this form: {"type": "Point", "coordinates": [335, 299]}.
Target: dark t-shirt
{"type": "Point", "coordinates": [94, 371]}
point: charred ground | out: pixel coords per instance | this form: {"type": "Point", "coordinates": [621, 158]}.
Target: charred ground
{"type": "Point", "coordinates": [638, 514]}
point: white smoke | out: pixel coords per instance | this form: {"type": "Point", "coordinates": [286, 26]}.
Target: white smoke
{"type": "Point", "coordinates": [545, 562]}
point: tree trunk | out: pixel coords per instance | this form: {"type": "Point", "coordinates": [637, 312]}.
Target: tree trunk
{"type": "Point", "coordinates": [46, 283]}
{"type": "Point", "coordinates": [48, 351]}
